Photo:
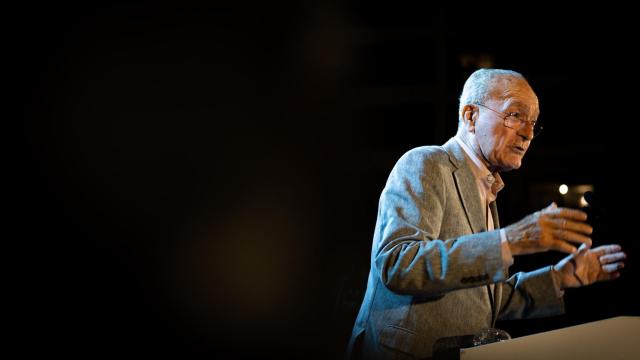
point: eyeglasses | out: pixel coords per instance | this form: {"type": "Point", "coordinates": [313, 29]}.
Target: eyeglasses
{"type": "Point", "coordinates": [512, 120]}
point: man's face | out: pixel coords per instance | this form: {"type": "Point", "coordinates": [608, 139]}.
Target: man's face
{"type": "Point", "coordinates": [502, 146]}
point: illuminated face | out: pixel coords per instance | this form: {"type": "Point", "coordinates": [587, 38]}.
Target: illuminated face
{"type": "Point", "coordinates": [504, 147]}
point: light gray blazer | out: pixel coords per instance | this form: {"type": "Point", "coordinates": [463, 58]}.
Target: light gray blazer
{"type": "Point", "coordinates": [432, 259]}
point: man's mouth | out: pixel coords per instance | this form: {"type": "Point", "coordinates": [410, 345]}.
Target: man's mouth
{"type": "Point", "coordinates": [519, 149]}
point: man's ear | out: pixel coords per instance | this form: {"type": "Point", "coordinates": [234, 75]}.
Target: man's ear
{"type": "Point", "coordinates": [469, 116]}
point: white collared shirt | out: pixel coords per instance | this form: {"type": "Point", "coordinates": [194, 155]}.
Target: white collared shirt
{"type": "Point", "coordinates": [488, 185]}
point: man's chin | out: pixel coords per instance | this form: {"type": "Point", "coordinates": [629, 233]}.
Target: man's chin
{"type": "Point", "coordinates": [511, 166]}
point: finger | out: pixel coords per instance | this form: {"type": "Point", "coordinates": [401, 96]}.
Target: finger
{"type": "Point", "coordinates": [610, 258]}
{"type": "Point", "coordinates": [606, 249]}
{"type": "Point", "coordinates": [584, 247]}
{"type": "Point", "coordinates": [566, 213]}
{"type": "Point", "coordinates": [614, 275]}
{"type": "Point", "coordinates": [609, 268]}
{"type": "Point", "coordinates": [563, 246]}
{"type": "Point", "coordinates": [608, 276]}
{"type": "Point", "coordinates": [574, 226]}
{"type": "Point", "coordinates": [571, 236]}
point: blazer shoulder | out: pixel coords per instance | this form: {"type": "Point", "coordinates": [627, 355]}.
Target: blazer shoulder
{"type": "Point", "coordinates": [421, 163]}
{"type": "Point", "coordinates": [425, 156]}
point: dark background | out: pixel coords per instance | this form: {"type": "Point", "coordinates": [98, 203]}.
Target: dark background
{"type": "Point", "coordinates": [197, 181]}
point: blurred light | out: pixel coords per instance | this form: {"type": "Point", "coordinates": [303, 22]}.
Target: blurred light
{"type": "Point", "coordinates": [563, 189]}
{"type": "Point", "coordinates": [583, 201]}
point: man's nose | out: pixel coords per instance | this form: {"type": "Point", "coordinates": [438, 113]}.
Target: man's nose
{"type": "Point", "coordinates": [526, 130]}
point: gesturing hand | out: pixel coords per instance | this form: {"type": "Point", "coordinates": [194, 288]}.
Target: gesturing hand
{"type": "Point", "coordinates": [587, 266]}
{"type": "Point", "coordinates": [551, 228]}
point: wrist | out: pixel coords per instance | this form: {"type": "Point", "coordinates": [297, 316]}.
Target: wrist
{"type": "Point", "coordinates": [510, 237]}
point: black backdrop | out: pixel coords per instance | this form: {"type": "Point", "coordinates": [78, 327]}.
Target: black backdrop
{"type": "Point", "coordinates": [204, 180]}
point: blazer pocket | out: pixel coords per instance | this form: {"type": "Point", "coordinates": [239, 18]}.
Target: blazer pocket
{"type": "Point", "coordinates": [399, 338]}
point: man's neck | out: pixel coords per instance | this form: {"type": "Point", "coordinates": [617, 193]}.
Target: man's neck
{"type": "Point", "coordinates": [470, 140]}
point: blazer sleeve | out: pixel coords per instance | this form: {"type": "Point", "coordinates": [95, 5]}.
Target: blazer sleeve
{"type": "Point", "coordinates": [530, 295]}
{"type": "Point", "coordinates": [408, 254]}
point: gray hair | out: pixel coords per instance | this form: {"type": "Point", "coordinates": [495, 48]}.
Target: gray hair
{"type": "Point", "coordinates": [477, 89]}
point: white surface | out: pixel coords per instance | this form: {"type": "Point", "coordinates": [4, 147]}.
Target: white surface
{"type": "Point", "coordinates": [611, 339]}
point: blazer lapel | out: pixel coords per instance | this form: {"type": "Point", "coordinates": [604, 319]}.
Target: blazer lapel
{"type": "Point", "coordinates": [497, 291]}
{"type": "Point", "coordinates": [468, 191]}
{"type": "Point", "coordinates": [494, 214]}
{"type": "Point", "coordinates": [470, 196]}
{"type": "Point", "coordinates": [467, 187]}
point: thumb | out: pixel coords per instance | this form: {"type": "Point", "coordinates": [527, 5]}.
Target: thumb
{"type": "Point", "coordinates": [580, 252]}
{"type": "Point", "coordinates": [584, 247]}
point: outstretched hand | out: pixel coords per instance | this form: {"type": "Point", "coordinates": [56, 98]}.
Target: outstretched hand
{"type": "Point", "coordinates": [587, 266]}
{"type": "Point", "coordinates": [551, 228]}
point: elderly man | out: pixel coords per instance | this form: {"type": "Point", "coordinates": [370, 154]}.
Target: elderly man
{"type": "Point", "coordinates": [439, 259]}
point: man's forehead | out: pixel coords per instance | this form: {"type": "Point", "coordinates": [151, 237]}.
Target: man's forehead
{"type": "Point", "coordinates": [517, 93]}
{"type": "Point", "coordinates": [526, 105]}
{"type": "Point", "coordinates": [505, 86]}
{"type": "Point", "coordinates": [530, 105]}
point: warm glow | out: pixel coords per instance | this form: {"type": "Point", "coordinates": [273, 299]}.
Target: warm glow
{"type": "Point", "coordinates": [583, 201]}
